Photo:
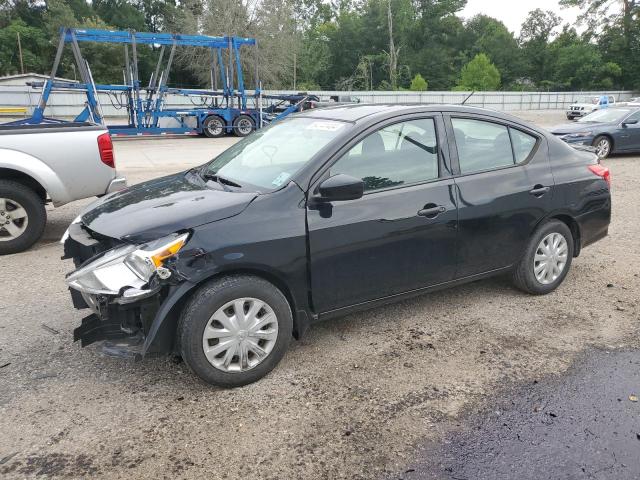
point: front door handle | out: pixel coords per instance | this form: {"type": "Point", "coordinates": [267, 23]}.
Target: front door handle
{"type": "Point", "coordinates": [432, 211]}
{"type": "Point", "coordinates": [539, 190]}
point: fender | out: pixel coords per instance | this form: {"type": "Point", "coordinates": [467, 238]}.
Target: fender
{"type": "Point", "coordinates": [39, 171]}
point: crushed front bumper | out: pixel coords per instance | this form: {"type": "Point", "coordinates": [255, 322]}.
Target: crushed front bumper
{"type": "Point", "coordinates": [113, 317]}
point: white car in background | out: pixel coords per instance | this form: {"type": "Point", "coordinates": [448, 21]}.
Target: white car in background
{"type": "Point", "coordinates": [587, 104]}
{"type": "Point", "coordinates": [633, 102]}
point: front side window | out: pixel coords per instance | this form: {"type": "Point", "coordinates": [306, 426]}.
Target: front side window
{"type": "Point", "coordinates": [401, 154]}
{"type": "Point", "coordinates": [269, 157]}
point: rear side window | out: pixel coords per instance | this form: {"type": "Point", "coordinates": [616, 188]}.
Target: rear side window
{"type": "Point", "coordinates": [485, 145]}
{"type": "Point", "coordinates": [523, 143]}
{"type": "Point", "coordinates": [481, 145]}
{"type": "Point", "coordinates": [401, 154]}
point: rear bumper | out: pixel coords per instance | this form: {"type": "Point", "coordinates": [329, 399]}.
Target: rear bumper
{"type": "Point", "coordinates": [118, 183]}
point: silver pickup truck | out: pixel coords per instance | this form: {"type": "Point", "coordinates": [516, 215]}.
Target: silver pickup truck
{"type": "Point", "coordinates": [55, 163]}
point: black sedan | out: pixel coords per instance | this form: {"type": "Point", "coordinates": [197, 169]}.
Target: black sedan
{"type": "Point", "coordinates": [610, 130]}
{"type": "Point", "coordinates": [326, 213]}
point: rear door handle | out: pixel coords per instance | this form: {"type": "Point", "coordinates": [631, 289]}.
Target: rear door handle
{"type": "Point", "coordinates": [432, 212]}
{"type": "Point", "coordinates": [539, 190]}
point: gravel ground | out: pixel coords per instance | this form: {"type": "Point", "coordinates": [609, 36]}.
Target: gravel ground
{"type": "Point", "coordinates": [584, 424]}
{"type": "Point", "coordinates": [355, 398]}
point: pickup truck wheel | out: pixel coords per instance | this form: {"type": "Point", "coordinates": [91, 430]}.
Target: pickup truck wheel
{"type": "Point", "coordinates": [234, 330]}
{"type": "Point", "coordinates": [214, 127]}
{"type": "Point", "coordinates": [603, 146]}
{"type": "Point", "coordinates": [22, 217]}
{"type": "Point", "coordinates": [547, 259]}
{"type": "Point", "coordinates": [243, 125]}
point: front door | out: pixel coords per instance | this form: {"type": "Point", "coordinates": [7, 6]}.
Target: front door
{"type": "Point", "coordinates": [504, 187]}
{"type": "Point", "coordinates": [401, 235]}
{"type": "Point", "coordinates": [628, 136]}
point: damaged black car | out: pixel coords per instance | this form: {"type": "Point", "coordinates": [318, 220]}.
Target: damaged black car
{"type": "Point", "coordinates": [328, 212]}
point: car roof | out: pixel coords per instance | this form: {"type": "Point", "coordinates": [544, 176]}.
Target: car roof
{"type": "Point", "coordinates": [359, 111]}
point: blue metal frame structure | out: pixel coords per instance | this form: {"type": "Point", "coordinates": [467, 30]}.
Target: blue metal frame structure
{"type": "Point", "coordinates": [145, 114]}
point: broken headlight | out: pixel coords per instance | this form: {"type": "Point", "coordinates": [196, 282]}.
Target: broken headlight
{"type": "Point", "coordinates": [130, 266]}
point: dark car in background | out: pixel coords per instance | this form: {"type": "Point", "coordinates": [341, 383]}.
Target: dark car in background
{"type": "Point", "coordinates": [610, 130]}
{"type": "Point", "coordinates": [329, 212]}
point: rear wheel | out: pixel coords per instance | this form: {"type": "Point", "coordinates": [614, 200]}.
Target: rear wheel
{"type": "Point", "coordinates": [547, 259]}
{"type": "Point", "coordinates": [214, 127]}
{"type": "Point", "coordinates": [235, 330]}
{"type": "Point", "coordinates": [22, 217]}
{"type": "Point", "coordinates": [243, 125]}
{"type": "Point", "coordinates": [603, 146]}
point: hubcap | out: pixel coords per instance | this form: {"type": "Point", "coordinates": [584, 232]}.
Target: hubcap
{"type": "Point", "coordinates": [550, 258]}
{"type": "Point", "coordinates": [240, 335]}
{"type": "Point", "coordinates": [215, 127]}
{"type": "Point", "coordinates": [13, 219]}
{"type": "Point", "coordinates": [245, 126]}
{"type": "Point", "coordinates": [602, 148]}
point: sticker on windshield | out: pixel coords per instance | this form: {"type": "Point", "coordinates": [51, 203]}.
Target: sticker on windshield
{"type": "Point", "coordinates": [325, 126]}
{"type": "Point", "coordinates": [280, 179]}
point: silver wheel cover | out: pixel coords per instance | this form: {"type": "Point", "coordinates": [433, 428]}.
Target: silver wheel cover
{"type": "Point", "coordinates": [550, 258]}
{"type": "Point", "coordinates": [240, 335]}
{"type": "Point", "coordinates": [13, 219]}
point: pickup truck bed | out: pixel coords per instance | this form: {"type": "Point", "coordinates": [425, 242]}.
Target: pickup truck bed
{"type": "Point", "coordinates": [56, 163]}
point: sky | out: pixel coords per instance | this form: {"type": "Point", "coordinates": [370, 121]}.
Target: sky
{"type": "Point", "coordinates": [513, 12]}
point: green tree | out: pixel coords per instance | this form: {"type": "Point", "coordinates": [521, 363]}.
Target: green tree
{"type": "Point", "coordinates": [418, 84]}
{"type": "Point", "coordinates": [484, 34]}
{"type": "Point", "coordinates": [535, 35]}
{"type": "Point", "coordinates": [479, 74]}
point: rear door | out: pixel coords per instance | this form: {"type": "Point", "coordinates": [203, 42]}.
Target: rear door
{"type": "Point", "coordinates": [504, 186]}
{"type": "Point", "coordinates": [401, 235]}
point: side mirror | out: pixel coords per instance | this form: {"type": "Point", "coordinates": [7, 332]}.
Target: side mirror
{"type": "Point", "coordinates": [341, 187]}
{"type": "Point", "coordinates": [630, 122]}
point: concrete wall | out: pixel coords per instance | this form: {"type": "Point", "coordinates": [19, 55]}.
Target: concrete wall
{"type": "Point", "coordinates": [70, 103]}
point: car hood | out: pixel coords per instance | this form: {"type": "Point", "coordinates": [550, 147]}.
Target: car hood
{"type": "Point", "coordinates": [159, 207]}
{"type": "Point", "coordinates": [577, 127]}
{"type": "Point", "coordinates": [585, 105]}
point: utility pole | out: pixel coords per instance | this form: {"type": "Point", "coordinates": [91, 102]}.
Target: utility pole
{"type": "Point", "coordinates": [393, 53]}
{"type": "Point", "coordinates": [294, 70]}
{"type": "Point", "coordinates": [20, 54]}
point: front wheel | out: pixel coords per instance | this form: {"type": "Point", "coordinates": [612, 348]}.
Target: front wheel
{"type": "Point", "coordinates": [22, 217]}
{"type": "Point", "coordinates": [547, 259]}
{"type": "Point", "coordinates": [243, 125]}
{"type": "Point", "coordinates": [235, 330]}
{"type": "Point", "coordinates": [603, 146]}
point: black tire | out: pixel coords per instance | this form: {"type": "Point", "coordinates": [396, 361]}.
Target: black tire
{"type": "Point", "coordinates": [601, 140]}
{"type": "Point", "coordinates": [36, 217]}
{"type": "Point", "coordinates": [243, 125]}
{"type": "Point", "coordinates": [524, 275]}
{"type": "Point", "coordinates": [214, 126]}
{"type": "Point", "coordinates": [196, 316]}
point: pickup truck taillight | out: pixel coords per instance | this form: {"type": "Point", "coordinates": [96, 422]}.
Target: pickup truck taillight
{"type": "Point", "coordinates": [105, 147]}
{"type": "Point", "coordinates": [601, 172]}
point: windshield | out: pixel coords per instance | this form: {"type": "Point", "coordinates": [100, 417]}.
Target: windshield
{"type": "Point", "coordinates": [605, 115]}
{"type": "Point", "coordinates": [269, 157]}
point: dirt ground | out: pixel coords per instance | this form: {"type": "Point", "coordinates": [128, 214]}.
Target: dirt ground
{"type": "Point", "coordinates": [354, 399]}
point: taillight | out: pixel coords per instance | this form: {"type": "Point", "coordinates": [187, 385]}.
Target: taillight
{"type": "Point", "coordinates": [601, 172]}
{"type": "Point", "coordinates": [105, 147]}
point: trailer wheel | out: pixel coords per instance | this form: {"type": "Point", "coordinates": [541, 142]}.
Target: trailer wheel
{"type": "Point", "coordinates": [243, 125]}
{"type": "Point", "coordinates": [214, 127]}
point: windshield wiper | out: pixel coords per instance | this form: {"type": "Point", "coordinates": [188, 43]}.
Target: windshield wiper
{"type": "Point", "coordinates": [220, 180]}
